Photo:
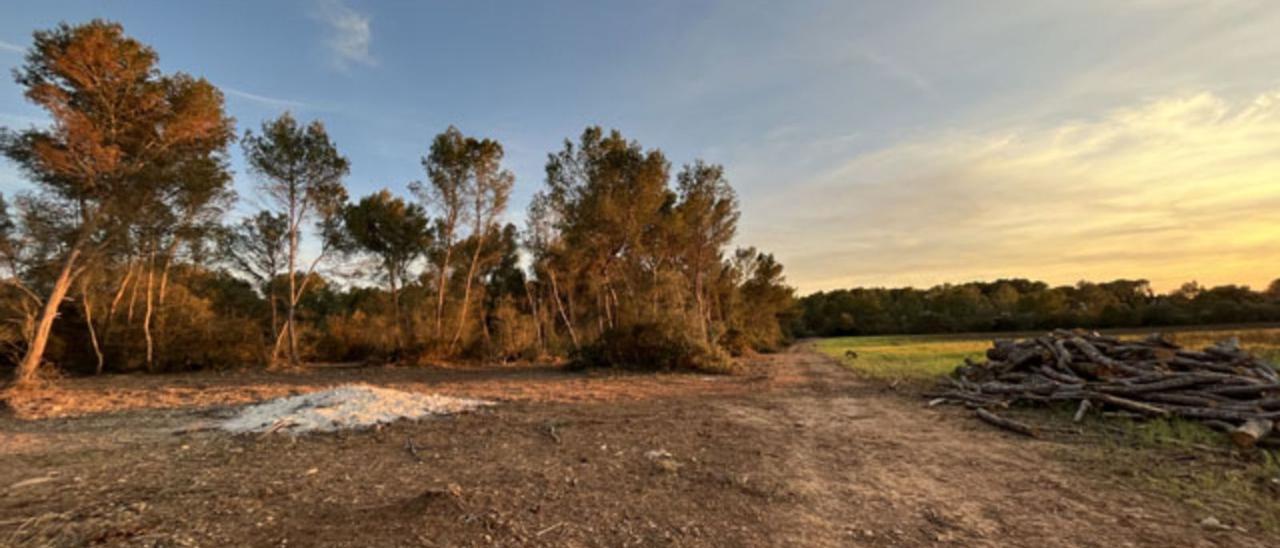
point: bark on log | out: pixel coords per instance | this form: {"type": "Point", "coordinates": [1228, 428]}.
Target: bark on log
{"type": "Point", "coordinates": [1007, 424]}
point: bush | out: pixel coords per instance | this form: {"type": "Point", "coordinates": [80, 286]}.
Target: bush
{"type": "Point", "coordinates": [736, 343]}
{"type": "Point", "coordinates": [357, 337]}
{"type": "Point", "coordinates": [653, 346]}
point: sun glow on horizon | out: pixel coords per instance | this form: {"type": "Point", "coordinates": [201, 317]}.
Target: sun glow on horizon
{"type": "Point", "coordinates": [1171, 190]}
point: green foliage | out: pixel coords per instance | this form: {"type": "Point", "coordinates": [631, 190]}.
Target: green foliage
{"type": "Point", "coordinates": [1020, 305]}
{"type": "Point", "coordinates": [390, 229]}
{"type": "Point", "coordinates": [654, 346]}
{"type": "Point", "coordinates": [134, 163]}
{"type": "Point", "coordinates": [762, 304]}
{"type": "Point", "coordinates": [619, 253]}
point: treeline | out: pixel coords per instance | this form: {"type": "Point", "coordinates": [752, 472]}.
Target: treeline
{"type": "Point", "coordinates": [1019, 305]}
{"type": "Point", "coordinates": [124, 257]}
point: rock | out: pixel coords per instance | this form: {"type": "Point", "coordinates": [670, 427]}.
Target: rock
{"type": "Point", "coordinates": [655, 454]}
{"type": "Point", "coordinates": [1214, 524]}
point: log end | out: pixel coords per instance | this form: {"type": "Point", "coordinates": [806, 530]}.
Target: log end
{"type": "Point", "coordinates": [1248, 434]}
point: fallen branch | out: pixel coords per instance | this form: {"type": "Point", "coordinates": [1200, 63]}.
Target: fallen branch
{"type": "Point", "coordinates": [412, 449]}
{"type": "Point", "coordinates": [1007, 424]}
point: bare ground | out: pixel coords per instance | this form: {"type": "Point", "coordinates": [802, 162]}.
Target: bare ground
{"type": "Point", "coordinates": [795, 452]}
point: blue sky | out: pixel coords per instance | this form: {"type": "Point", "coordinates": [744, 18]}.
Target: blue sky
{"type": "Point", "coordinates": [872, 143]}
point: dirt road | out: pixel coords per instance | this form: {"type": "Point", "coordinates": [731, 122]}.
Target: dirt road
{"type": "Point", "coordinates": [797, 453]}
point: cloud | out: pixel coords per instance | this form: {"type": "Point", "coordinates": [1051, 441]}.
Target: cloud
{"type": "Point", "coordinates": [1180, 188]}
{"type": "Point", "coordinates": [265, 100]}
{"type": "Point", "coordinates": [9, 46]}
{"type": "Point", "coordinates": [350, 34]}
{"type": "Point", "coordinates": [896, 70]}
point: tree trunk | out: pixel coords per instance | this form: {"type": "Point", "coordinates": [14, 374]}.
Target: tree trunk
{"type": "Point", "coordinates": [275, 314]}
{"type": "Point", "coordinates": [35, 353]}
{"type": "Point", "coordinates": [88, 320]}
{"type": "Point", "coordinates": [568, 322]}
{"type": "Point", "coordinates": [162, 316]}
{"type": "Point", "coordinates": [290, 314]}
{"type": "Point", "coordinates": [147, 313]}
{"type": "Point", "coordinates": [395, 309]}
{"type": "Point", "coordinates": [466, 293]}
{"type": "Point", "coordinates": [115, 302]}
{"type": "Point", "coordinates": [704, 320]}
{"type": "Point", "coordinates": [133, 299]}
{"type": "Point", "coordinates": [537, 317]}
{"type": "Point", "coordinates": [444, 268]}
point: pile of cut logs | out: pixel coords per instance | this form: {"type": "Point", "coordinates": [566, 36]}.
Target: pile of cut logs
{"type": "Point", "coordinates": [1221, 386]}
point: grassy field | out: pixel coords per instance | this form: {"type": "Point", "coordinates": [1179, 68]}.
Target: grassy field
{"type": "Point", "coordinates": [919, 357]}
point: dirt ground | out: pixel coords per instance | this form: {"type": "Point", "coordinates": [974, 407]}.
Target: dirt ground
{"type": "Point", "coordinates": [795, 452]}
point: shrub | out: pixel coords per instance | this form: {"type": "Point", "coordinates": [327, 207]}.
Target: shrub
{"type": "Point", "coordinates": [359, 336]}
{"type": "Point", "coordinates": [736, 343]}
{"type": "Point", "coordinates": [653, 346]}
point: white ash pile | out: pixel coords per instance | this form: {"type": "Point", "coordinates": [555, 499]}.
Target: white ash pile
{"type": "Point", "coordinates": [350, 406]}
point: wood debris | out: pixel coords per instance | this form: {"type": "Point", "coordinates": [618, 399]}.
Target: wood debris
{"type": "Point", "coordinates": [1221, 386]}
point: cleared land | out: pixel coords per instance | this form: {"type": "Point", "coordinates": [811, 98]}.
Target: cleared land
{"type": "Point", "coordinates": [796, 451]}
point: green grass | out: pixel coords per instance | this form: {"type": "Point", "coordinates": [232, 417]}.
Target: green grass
{"type": "Point", "coordinates": [922, 357]}
{"type": "Point", "coordinates": [911, 357]}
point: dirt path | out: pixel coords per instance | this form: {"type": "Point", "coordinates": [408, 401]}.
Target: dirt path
{"type": "Point", "coordinates": [876, 469]}
{"type": "Point", "coordinates": [805, 455]}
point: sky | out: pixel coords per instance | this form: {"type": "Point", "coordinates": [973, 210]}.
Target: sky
{"type": "Point", "coordinates": [904, 143]}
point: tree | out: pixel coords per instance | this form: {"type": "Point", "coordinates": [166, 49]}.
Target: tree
{"type": "Point", "coordinates": [707, 214]}
{"type": "Point", "coordinates": [1273, 291]}
{"type": "Point", "coordinates": [763, 301]}
{"type": "Point", "coordinates": [396, 233]}
{"type": "Point", "coordinates": [301, 175]}
{"type": "Point", "coordinates": [118, 127]}
{"type": "Point", "coordinates": [487, 191]}
{"type": "Point", "coordinates": [607, 199]}
{"type": "Point", "coordinates": [258, 247]}
{"type": "Point", "coordinates": [449, 170]}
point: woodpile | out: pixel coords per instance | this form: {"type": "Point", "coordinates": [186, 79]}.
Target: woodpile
{"type": "Point", "coordinates": [1221, 386]}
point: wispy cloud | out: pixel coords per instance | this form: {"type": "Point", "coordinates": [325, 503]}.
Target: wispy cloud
{"type": "Point", "coordinates": [350, 34]}
{"type": "Point", "coordinates": [896, 70]}
{"type": "Point", "coordinates": [1171, 190]}
{"type": "Point", "coordinates": [265, 100]}
{"type": "Point", "coordinates": [9, 46]}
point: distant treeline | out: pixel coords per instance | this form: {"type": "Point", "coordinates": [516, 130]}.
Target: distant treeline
{"type": "Point", "coordinates": [122, 255]}
{"type": "Point", "coordinates": [1017, 305]}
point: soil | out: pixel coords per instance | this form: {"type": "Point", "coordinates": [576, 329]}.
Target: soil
{"type": "Point", "coordinates": [796, 451]}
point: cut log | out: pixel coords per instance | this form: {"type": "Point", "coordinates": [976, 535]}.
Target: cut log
{"type": "Point", "coordinates": [1131, 405]}
{"type": "Point", "coordinates": [1247, 435]}
{"type": "Point", "coordinates": [1222, 387]}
